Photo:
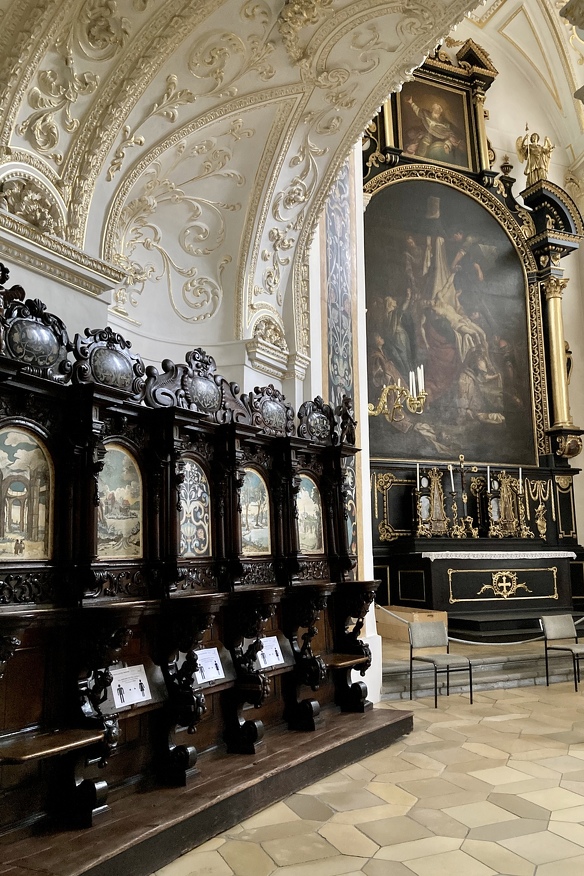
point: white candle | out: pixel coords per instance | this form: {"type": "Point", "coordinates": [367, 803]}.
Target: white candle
{"type": "Point", "coordinates": [451, 477]}
{"type": "Point", "coordinates": [412, 384]}
{"type": "Point", "coordinates": [399, 381]}
{"type": "Point", "coordinates": [488, 479]}
{"type": "Point", "coordinates": [520, 481]}
{"type": "Point", "coordinates": [418, 476]}
{"type": "Point", "coordinates": [422, 382]}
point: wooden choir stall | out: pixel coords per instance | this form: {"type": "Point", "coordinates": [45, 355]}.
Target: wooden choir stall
{"type": "Point", "coordinates": [179, 614]}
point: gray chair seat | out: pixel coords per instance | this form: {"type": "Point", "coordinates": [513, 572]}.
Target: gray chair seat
{"type": "Point", "coordinates": [442, 661]}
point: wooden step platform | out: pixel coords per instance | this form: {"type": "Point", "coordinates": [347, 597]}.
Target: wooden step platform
{"type": "Point", "coordinates": [145, 831]}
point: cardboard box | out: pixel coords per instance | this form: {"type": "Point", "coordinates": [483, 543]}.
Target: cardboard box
{"type": "Point", "coordinates": [390, 627]}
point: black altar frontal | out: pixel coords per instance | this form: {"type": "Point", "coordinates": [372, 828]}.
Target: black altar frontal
{"type": "Point", "coordinates": [471, 435]}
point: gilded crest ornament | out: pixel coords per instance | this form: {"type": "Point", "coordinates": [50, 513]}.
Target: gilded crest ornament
{"type": "Point", "coordinates": [504, 585]}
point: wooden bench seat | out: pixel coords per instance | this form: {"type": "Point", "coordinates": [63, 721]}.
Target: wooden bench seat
{"type": "Point", "coordinates": [24, 747]}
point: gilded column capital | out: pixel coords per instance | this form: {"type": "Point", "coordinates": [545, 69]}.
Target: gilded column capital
{"type": "Point", "coordinates": [553, 287]}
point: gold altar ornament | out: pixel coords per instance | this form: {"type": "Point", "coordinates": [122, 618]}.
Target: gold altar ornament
{"type": "Point", "coordinates": [393, 395]}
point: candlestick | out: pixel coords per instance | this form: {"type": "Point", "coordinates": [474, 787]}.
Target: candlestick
{"type": "Point", "coordinates": [451, 477]}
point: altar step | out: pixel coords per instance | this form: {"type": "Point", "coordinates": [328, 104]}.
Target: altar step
{"type": "Point", "coordinates": [508, 626]}
{"type": "Point", "coordinates": [493, 668]}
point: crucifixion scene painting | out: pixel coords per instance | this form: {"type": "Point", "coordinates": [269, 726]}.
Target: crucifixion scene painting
{"type": "Point", "coordinates": [446, 289]}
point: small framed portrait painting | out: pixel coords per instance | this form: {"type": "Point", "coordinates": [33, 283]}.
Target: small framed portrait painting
{"type": "Point", "coordinates": [434, 123]}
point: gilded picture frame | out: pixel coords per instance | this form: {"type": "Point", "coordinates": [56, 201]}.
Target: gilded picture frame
{"type": "Point", "coordinates": [434, 124]}
{"type": "Point", "coordinates": [448, 275]}
{"type": "Point", "coordinates": [120, 510]}
{"type": "Point", "coordinates": [27, 495]}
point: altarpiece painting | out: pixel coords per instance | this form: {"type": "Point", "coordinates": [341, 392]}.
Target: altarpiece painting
{"type": "Point", "coordinates": [447, 288]}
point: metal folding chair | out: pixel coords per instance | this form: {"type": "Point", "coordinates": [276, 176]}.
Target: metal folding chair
{"type": "Point", "coordinates": [434, 635]}
{"type": "Point", "coordinates": [558, 627]}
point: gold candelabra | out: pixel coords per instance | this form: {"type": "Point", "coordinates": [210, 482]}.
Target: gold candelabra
{"type": "Point", "coordinates": [392, 399]}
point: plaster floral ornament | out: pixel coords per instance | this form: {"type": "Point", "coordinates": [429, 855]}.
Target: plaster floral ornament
{"type": "Point", "coordinates": [28, 201]}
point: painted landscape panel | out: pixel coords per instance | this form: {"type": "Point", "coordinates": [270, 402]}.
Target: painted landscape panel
{"type": "Point", "coordinates": [255, 515]}
{"type": "Point", "coordinates": [26, 487]}
{"type": "Point", "coordinates": [119, 525]}
{"type": "Point", "coordinates": [308, 503]}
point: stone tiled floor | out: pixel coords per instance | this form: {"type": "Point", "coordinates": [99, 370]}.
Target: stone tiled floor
{"type": "Point", "coordinates": [493, 788]}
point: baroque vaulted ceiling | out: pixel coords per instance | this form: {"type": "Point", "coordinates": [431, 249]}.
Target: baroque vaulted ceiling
{"type": "Point", "coordinates": [182, 150]}
{"type": "Point", "coordinates": [190, 144]}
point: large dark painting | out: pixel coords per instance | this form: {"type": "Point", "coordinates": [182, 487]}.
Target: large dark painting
{"type": "Point", "coordinates": [446, 289]}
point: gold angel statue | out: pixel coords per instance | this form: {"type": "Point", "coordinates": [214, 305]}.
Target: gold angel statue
{"type": "Point", "coordinates": [536, 155]}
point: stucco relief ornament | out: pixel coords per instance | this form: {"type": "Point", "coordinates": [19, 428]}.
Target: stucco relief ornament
{"type": "Point", "coordinates": [199, 228]}
{"type": "Point", "coordinates": [294, 18]}
{"type": "Point", "coordinates": [266, 329]}
{"type": "Point", "coordinates": [167, 108]}
{"type": "Point", "coordinates": [219, 59]}
{"type": "Point", "coordinates": [97, 34]}
{"type": "Point", "coordinates": [28, 201]}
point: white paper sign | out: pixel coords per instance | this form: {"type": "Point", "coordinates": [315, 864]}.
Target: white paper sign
{"type": "Point", "coordinates": [210, 668]}
{"type": "Point", "coordinates": [130, 686]}
{"type": "Point", "coordinates": [270, 655]}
